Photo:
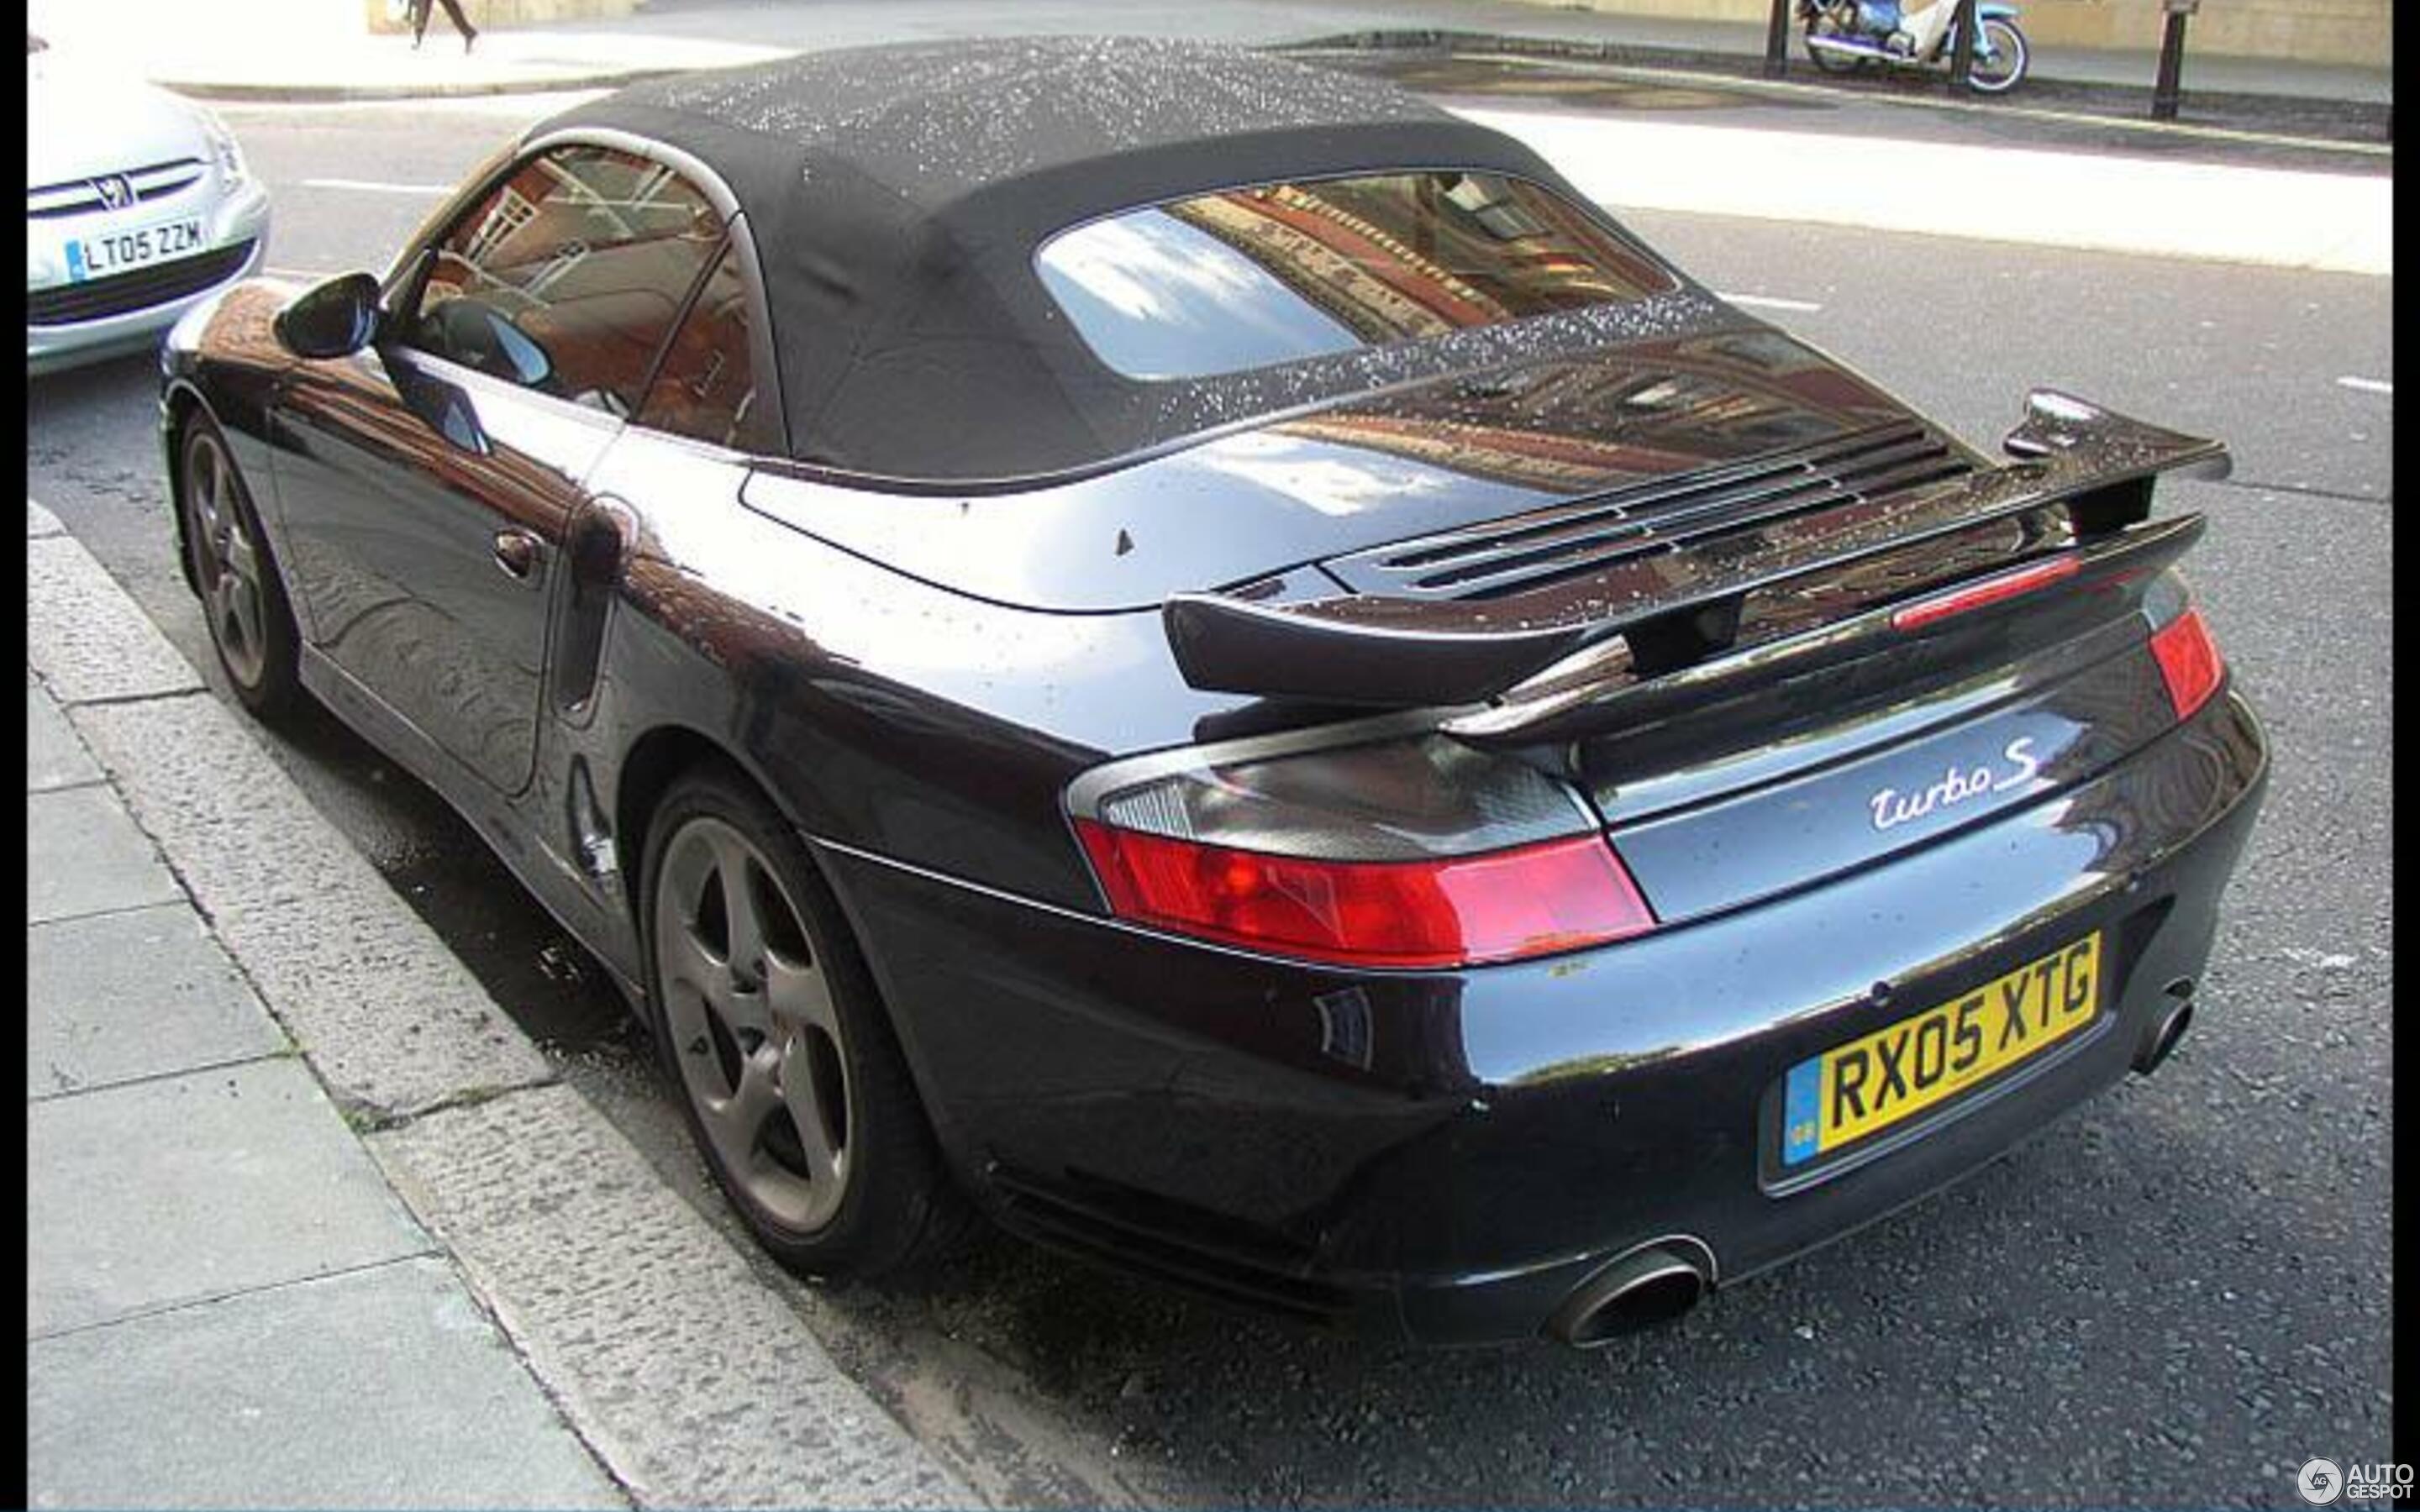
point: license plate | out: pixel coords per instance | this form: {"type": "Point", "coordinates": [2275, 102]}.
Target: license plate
{"type": "Point", "coordinates": [1856, 1090]}
{"type": "Point", "coordinates": [118, 251]}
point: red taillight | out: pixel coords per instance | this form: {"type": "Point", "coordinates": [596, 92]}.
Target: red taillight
{"type": "Point", "coordinates": [1976, 594]}
{"type": "Point", "coordinates": [2189, 662]}
{"type": "Point", "coordinates": [1448, 911]}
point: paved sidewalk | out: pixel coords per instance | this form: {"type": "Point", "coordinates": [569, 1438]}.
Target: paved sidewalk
{"type": "Point", "coordinates": [226, 1302]}
{"type": "Point", "coordinates": [309, 1222]}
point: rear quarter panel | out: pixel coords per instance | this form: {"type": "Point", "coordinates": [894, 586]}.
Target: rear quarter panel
{"type": "Point", "coordinates": [882, 713]}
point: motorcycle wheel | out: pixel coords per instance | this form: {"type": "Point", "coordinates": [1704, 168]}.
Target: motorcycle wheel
{"type": "Point", "coordinates": [2006, 64]}
{"type": "Point", "coordinates": [1821, 24]}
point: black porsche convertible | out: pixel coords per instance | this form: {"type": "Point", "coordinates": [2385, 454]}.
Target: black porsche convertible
{"type": "Point", "coordinates": [1201, 657]}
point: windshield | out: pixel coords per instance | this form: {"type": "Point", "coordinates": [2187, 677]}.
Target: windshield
{"type": "Point", "coordinates": [1249, 278]}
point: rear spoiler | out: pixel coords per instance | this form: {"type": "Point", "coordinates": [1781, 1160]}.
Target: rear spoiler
{"type": "Point", "coordinates": [1401, 652]}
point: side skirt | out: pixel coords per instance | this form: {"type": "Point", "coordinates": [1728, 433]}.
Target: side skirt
{"type": "Point", "coordinates": [510, 828]}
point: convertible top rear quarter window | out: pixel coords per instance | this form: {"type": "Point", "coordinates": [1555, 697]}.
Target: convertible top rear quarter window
{"type": "Point", "coordinates": [706, 386]}
{"type": "Point", "coordinates": [1249, 278]}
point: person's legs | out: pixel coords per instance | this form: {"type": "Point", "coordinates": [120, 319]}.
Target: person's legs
{"type": "Point", "coordinates": [418, 10]}
{"type": "Point", "coordinates": [461, 22]}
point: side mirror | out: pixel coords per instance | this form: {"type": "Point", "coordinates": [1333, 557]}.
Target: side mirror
{"type": "Point", "coordinates": [335, 319]}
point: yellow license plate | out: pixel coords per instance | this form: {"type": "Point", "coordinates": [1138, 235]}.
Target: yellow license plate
{"type": "Point", "coordinates": [1860, 1088]}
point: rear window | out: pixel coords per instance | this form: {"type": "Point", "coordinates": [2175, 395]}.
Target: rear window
{"type": "Point", "coordinates": [1249, 278]}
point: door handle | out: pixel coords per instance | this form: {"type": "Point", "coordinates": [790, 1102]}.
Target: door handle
{"type": "Point", "coordinates": [517, 552]}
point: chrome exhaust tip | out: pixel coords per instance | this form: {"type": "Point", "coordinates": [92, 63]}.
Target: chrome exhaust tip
{"type": "Point", "coordinates": [1642, 1289]}
{"type": "Point", "coordinates": [2161, 1040]}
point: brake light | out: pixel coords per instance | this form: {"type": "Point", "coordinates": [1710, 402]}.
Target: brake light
{"type": "Point", "coordinates": [1446, 911]}
{"type": "Point", "coordinates": [2189, 661]}
{"type": "Point", "coordinates": [1414, 851]}
{"type": "Point", "coordinates": [1975, 596]}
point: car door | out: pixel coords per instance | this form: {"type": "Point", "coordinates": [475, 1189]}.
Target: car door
{"type": "Point", "coordinates": [427, 482]}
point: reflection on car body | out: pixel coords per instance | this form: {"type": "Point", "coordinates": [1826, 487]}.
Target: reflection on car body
{"type": "Point", "coordinates": [1199, 657]}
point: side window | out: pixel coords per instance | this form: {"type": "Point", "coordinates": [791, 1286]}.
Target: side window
{"type": "Point", "coordinates": [706, 388]}
{"type": "Point", "coordinates": [565, 278]}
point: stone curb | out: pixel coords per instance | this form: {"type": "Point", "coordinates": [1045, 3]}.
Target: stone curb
{"type": "Point", "coordinates": [329, 94]}
{"type": "Point", "coordinates": [723, 1399]}
{"type": "Point", "coordinates": [94, 645]}
{"type": "Point", "coordinates": [691, 1382]}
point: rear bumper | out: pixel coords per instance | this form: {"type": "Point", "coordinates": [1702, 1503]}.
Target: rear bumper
{"type": "Point", "coordinates": [1447, 1155]}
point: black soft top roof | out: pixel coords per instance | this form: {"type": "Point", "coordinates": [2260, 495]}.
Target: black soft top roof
{"type": "Point", "coordinates": [896, 195]}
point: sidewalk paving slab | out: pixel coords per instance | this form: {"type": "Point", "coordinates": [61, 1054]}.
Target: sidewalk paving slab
{"type": "Point", "coordinates": [83, 855]}
{"type": "Point", "coordinates": [195, 1186]}
{"type": "Point", "coordinates": [385, 1387]}
{"type": "Point", "coordinates": [119, 997]}
{"type": "Point", "coordinates": [55, 758]}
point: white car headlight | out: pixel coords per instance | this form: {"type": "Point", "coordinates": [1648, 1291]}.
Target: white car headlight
{"type": "Point", "coordinates": [223, 146]}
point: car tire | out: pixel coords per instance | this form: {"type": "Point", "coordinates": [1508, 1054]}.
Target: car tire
{"type": "Point", "coordinates": [787, 1069]}
{"type": "Point", "coordinates": [228, 561]}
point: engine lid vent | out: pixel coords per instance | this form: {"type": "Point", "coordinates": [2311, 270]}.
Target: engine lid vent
{"type": "Point", "coordinates": [1528, 551]}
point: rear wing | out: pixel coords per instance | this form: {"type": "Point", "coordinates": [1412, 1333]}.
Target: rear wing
{"type": "Point", "coordinates": [1403, 652]}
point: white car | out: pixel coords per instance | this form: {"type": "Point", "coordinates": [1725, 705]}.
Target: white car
{"type": "Point", "coordinates": [137, 206]}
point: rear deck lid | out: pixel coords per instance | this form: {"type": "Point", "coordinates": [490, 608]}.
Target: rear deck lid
{"type": "Point", "coordinates": [1736, 404]}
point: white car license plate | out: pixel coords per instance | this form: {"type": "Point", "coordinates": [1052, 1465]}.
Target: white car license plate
{"type": "Point", "coordinates": [118, 251]}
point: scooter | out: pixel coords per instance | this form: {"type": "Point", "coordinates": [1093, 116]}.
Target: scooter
{"type": "Point", "coordinates": [1842, 34]}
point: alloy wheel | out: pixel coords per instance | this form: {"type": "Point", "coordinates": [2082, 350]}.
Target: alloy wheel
{"type": "Point", "coordinates": [226, 561]}
{"type": "Point", "coordinates": [753, 1027]}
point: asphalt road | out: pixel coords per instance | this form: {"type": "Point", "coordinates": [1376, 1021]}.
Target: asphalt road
{"type": "Point", "coordinates": [2177, 1296]}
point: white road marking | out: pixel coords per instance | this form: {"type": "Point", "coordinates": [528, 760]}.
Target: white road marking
{"type": "Point", "coordinates": [1768, 301]}
{"type": "Point", "coordinates": [2366, 385]}
{"type": "Point", "coordinates": [372, 186]}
